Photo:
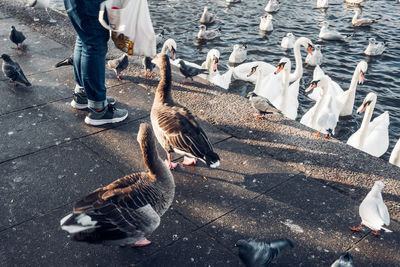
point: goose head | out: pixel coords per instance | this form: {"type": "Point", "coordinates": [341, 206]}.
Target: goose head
{"type": "Point", "coordinates": [284, 64]}
{"type": "Point", "coordinates": [252, 70]}
{"type": "Point", "coordinates": [362, 67]}
{"type": "Point", "coordinates": [306, 43]}
{"type": "Point", "coordinates": [170, 45]}
{"type": "Point", "coordinates": [322, 82]}
{"type": "Point", "coordinates": [368, 101]}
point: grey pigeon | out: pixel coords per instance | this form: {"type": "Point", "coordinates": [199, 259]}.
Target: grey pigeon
{"type": "Point", "coordinates": [16, 37]}
{"type": "Point", "coordinates": [13, 71]}
{"type": "Point", "coordinates": [189, 71]}
{"type": "Point", "coordinates": [65, 62]}
{"type": "Point", "coordinates": [148, 67]}
{"type": "Point", "coordinates": [260, 104]}
{"type": "Point", "coordinates": [259, 254]}
{"type": "Point", "coordinates": [118, 65]}
{"type": "Point", "coordinates": [345, 260]}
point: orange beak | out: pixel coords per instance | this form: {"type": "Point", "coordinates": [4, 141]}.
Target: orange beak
{"type": "Point", "coordinates": [215, 63]}
{"type": "Point", "coordinates": [361, 78]}
{"type": "Point", "coordinates": [173, 54]}
{"type": "Point", "coordinates": [251, 72]}
{"type": "Point", "coordinates": [309, 49]}
{"type": "Point", "coordinates": [362, 108]}
{"type": "Point", "coordinates": [312, 86]}
{"type": "Point", "coordinates": [279, 68]}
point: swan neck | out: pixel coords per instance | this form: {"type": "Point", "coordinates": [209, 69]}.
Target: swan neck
{"type": "Point", "coordinates": [298, 72]}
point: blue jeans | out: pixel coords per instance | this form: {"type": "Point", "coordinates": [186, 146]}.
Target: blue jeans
{"type": "Point", "coordinates": [90, 49]}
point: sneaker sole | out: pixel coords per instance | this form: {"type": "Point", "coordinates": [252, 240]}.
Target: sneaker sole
{"type": "Point", "coordinates": [78, 106]}
{"type": "Point", "coordinates": [105, 121]}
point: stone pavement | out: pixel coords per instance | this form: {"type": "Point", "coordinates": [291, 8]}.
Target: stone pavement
{"type": "Point", "coordinates": [276, 180]}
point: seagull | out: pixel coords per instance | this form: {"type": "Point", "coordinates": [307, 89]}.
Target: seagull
{"type": "Point", "coordinates": [266, 23]}
{"type": "Point", "coordinates": [159, 37]}
{"type": "Point", "coordinates": [260, 104]}
{"type": "Point", "coordinates": [65, 62]}
{"type": "Point", "coordinates": [374, 48]}
{"type": "Point", "coordinates": [288, 41]}
{"type": "Point", "coordinates": [148, 67]}
{"type": "Point", "coordinates": [272, 6]}
{"type": "Point", "coordinates": [373, 211]}
{"type": "Point", "coordinates": [330, 35]}
{"type": "Point", "coordinates": [259, 254]}
{"type": "Point", "coordinates": [359, 22]}
{"type": "Point", "coordinates": [16, 37]}
{"type": "Point", "coordinates": [13, 71]}
{"type": "Point", "coordinates": [239, 54]}
{"type": "Point", "coordinates": [41, 4]}
{"type": "Point", "coordinates": [189, 71]}
{"type": "Point", "coordinates": [205, 34]}
{"type": "Point", "coordinates": [322, 3]}
{"type": "Point", "coordinates": [207, 17]}
{"type": "Point", "coordinates": [118, 65]}
{"type": "Point", "coordinates": [315, 58]}
{"type": "Point", "coordinates": [345, 260]}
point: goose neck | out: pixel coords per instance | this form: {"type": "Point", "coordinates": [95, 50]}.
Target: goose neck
{"type": "Point", "coordinates": [163, 91]}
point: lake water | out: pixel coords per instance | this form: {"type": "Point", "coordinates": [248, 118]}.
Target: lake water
{"type": "Point", "coordinates": [240, 24]}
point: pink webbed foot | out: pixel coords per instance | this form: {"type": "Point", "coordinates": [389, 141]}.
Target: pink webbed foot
{"type": "Point", "coordinates": [171, 165]}
{"type": "Point", "coordinates": [356, 229]}
{"type": "Point", "coordinates": [141, 243]}
{"type": "Point", "coordinates": [189, 161]}
{"type": "Point", "coordinates": [119, 77]}
{"type": "Point", "coordinates": [376, 233]}
{"type": "Point", "coordinates": [258, 116]}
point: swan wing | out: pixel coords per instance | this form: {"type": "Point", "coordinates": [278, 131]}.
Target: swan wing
{"type": "Point", "coordinates": [271, 87]}
{"type": "Point", "coordinates": [377, 140]}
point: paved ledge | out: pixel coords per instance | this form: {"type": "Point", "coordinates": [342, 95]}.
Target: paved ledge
{"type": "Point", "coordinates": [275, 180]}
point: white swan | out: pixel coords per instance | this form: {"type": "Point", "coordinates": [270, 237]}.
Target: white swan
{"type": "Point", "coordinates": [323, 116]}
{"type": "Point", "coordinates": [374, 48]}
{"type": "Point", "coordinates": [245, 71]}
{"type": "Point", "coordinates": [395, 155]}
{"type": "Point", "coordinates": [266, 23]}
{"type": "Point", "coordinates": [272, 6]}
{"type": "Point", "coordinates": [373, 136]}
{"type": "Point", "coordinates": [239, 54]}
{"type": "Point", "coordinates": [207, 17]}
{"type": "Point", "coordinates": [213, 76]}
{"type": "Point", "coordinates": [354, 2]}
{"type": "Point", "coordinates": [346, 99]}
{"type": "Point", "coordinates": [315, 58]}
{"type": "Point", "coordinates": [329, 35]}
{"type": "Point", "coordinates": [288, 41]}
{"type": "Point", "coordinates": [287, 101]}
{"type": "Point", "coordinates": [333, 89]}
{"type": "Point", "coordinates": [169, 45]}
{"type": "Point", "coordinates": [205, 34]}
{"type": "Point", "coordinates": [322, 3]}
{"type": "Point", "coordinates": [359, 22]}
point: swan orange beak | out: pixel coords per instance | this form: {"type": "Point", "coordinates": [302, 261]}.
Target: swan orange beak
{"type": "Point", "coordinates": [362, 108]}
{"type": "Point", "coordinates": [312, 86]}
{"type": "Point", "coordinates": [309, 49]}
{"type": "Point", "coordinates": [253, 70]}
{"type": "Point", "coordinates": [361, 78]}
{"type": "Point", "coordinates": [173, 53]}
{"type": "Point", "coordinates": [279, 68]}
{"type": "Point", "coordinates": [215, 64]}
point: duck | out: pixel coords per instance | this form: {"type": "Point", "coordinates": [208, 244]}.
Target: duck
{"type": "Point", "coordinates": [374, 48]}
{"type": "Point", "coordinates": [395, 155]}
{"type": "Point", "coordinates": [175, 127]}
{"type": "Point", "coordinates": [272, 6]}
{"type": "Point", "coordinates": [373, 211]}
{"type": "Point", "coordinates": [359, 22]}
{"type": "Point", "coordinates": [205, 34]}
{"type": "Point", "coordinates": [214, 76]}
{"type": "Point", "coordinates": [323, 116]}
{"type": "Point", "coordinates": [373, 136]}
{"type": "Point", "coordinates": [263, 86]}
{"type": "Point", "coordinates": [322, 3]}
{"type": "Point", "coordinates": [129, 209]}
{"type": "Point", "coordinates": [266, 23]}
{"type": "Point", "coordinates": [207, 17]}
{"type": "Point", "coordinates": [288, 41]}
{"type": "Point", "coordinates": [239, 54]}
{"type": "Point", "coordinates": [169, 46]}
{"type": "Point", "coordinates": [330, 35]}
{"type": "Point", "coordinates": [315, 58]}
{"type": "Point", "coordinates": [287, 101]}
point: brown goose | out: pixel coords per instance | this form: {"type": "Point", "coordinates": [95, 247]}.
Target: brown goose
{"type": "Point", "coordinates": [175, 127]}
{"type": "Point", "coordinates": [129, 209]}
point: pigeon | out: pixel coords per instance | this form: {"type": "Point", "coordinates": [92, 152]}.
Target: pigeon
{"type": "Point", "coordinates": [345, 260]}
{"type": "Point", "coordinates": [16, 37]}
{"type": "Point", "coordinates": [373, 211]}
{"type": "Point", "coordinates": [65, 62]}
{"type": "Point", "coordinates": [119, 65]}
{"type": "Point", "coordinates": [189, 71]}
{"type": "Point", "coordinates": [148, 67]}
{"type": "Point", "coordinates": [13, 71]}
{"type": "Point", "coordinates": [260, 104]}
{"type": "Point", "coordinates": [259, 254]}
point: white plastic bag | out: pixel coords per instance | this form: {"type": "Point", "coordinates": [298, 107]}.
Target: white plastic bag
{"type": "Point", "coordinates": [130, 26]}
